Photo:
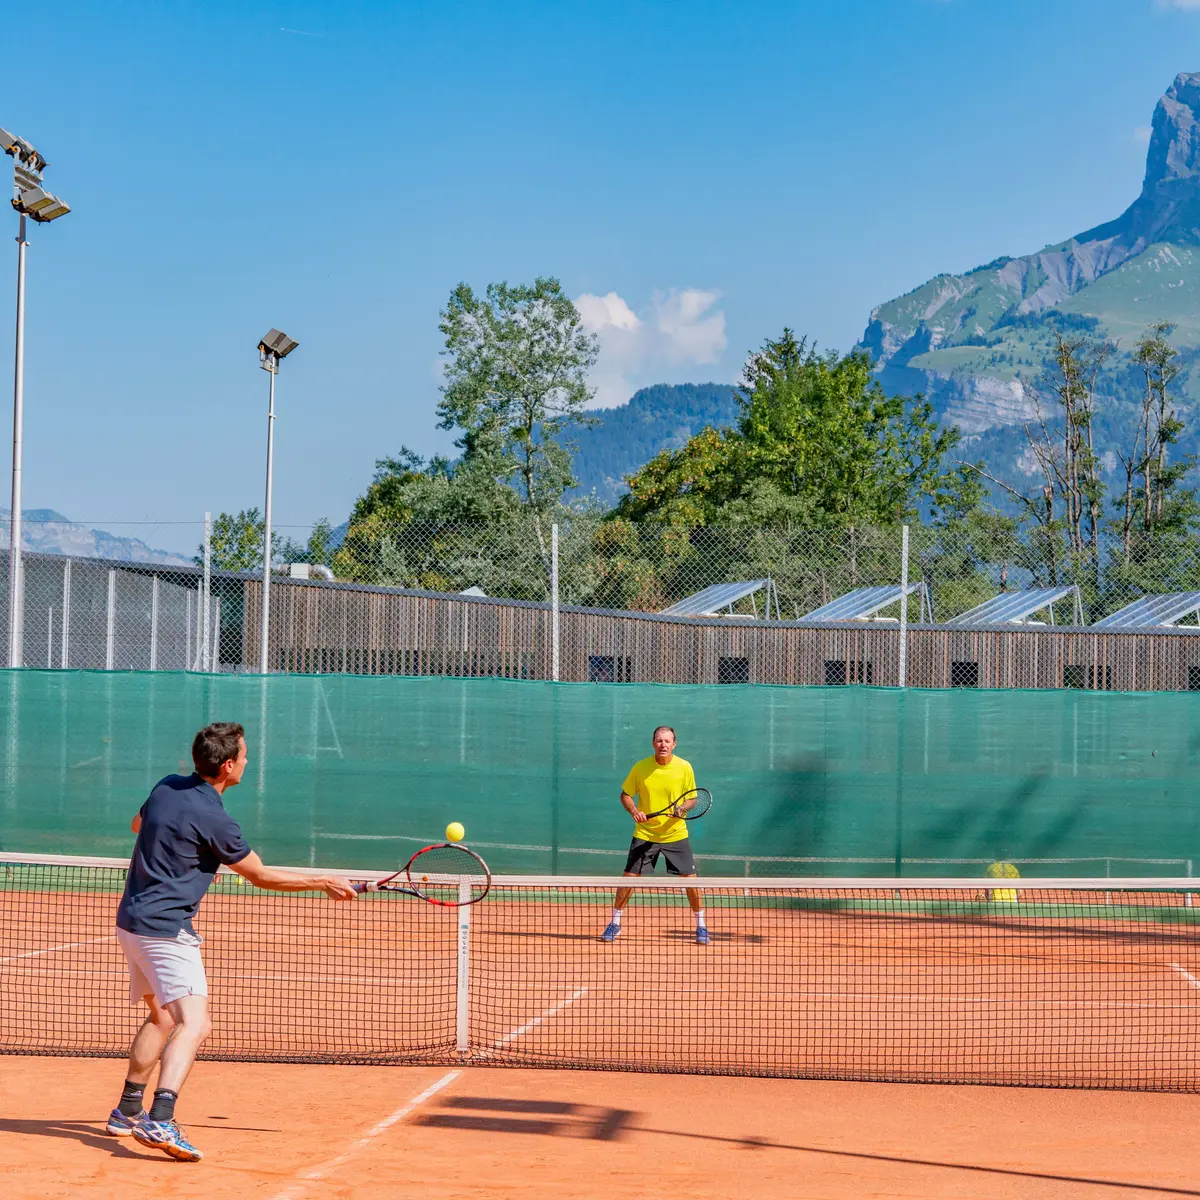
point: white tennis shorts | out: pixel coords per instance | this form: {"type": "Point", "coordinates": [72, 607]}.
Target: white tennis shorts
{"type": "Point", "coordinates": [167, 968]}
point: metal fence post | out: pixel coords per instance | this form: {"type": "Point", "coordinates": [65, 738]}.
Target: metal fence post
{"type": "Point", "coordinates": [66, 614]}
{"type": "Point", "coordinates": [154, 623]}
{"type": "Point", "coordinates": [110, 633]}
{"type": "Point", "coordinates": [903, 665]}
{"type": "Point", "coordinates": [554, 626]}
{"type": "Point", "coordinates": [206, 648]}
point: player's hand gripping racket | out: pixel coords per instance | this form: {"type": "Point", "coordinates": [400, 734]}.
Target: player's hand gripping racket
{"type": "Point", "coordinates": [436, 875]}
{"type": "Point", "coordinates": [691, 806]}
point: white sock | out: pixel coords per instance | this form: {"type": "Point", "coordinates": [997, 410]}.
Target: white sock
{"type": "Point", "coordinates": [616, 916]}
{"type": "Point", "coordinates": [700, 919]}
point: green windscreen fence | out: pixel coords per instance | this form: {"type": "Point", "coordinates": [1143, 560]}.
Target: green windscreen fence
{"type": "Point", "coordinates": [359, 772]}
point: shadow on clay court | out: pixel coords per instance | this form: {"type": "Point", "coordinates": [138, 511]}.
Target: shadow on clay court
{"type": "Point", "coordinates": [556, 1118]}
{"type": "Point", "coordinates": [93, 1135]}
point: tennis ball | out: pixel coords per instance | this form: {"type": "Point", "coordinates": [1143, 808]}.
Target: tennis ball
{"type": "Point", "coordinates": [455, 832]}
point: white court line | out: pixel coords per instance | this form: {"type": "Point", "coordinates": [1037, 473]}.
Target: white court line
{"type": "Point", "coordinates": [1187, 975]}
{"type": "Point", "coordinates": [316, 1174]}
{"type": "Point", "coordinates": [54, 949]}
{"type": "Point", "coordinates": [522, 1030]}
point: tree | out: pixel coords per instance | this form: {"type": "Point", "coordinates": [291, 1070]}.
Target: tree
{"type": "Point", "coordinates": [515, 385]}
{"type": "Point", "coordinates": [237, 541]}
{"type": "Point", "coordinates": [1069, 499]}
{"type": "Point", "coordinates": [817, 441]}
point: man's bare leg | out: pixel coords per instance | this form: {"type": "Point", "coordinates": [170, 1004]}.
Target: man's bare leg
{"type": "Point", "coordinates": [149, 1042]}
{"type": "Point", "coordinates": [192, 1026]}
{"type": "Point", "coordinates": [621, 899]}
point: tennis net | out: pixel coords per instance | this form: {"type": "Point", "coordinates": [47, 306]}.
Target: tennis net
{"type": "Point", "coordinates": [1064, 983]}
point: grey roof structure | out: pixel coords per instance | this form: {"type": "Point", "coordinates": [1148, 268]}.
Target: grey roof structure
{"type": "Point", "coordinates": [1152, 611]}
{"type": "Point", "coordinates": [1015, 608]}
{"type": "Point", "coordinates": [865, 601]}
{"type": "Point", "coordinates": [712, 600]}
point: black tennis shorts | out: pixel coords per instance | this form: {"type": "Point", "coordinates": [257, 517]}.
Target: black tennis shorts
{"type": "Point", "coordinates": [643, 857]}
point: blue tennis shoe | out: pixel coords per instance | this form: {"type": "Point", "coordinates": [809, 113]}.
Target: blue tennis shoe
{"type": "Point", "coordinates": [119, 1125]}
{"type": "Point", "coordinates": [611, 933]}
{"type": "Point", "coordinates": [702, 938]}
{"type": "Point", "coordinates": [167, 1137]}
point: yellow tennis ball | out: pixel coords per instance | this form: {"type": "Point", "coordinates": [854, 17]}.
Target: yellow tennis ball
{"type": "Point", "coordinates": [455, 832]}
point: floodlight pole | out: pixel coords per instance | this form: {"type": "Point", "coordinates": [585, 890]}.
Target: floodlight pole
{"type": "Point", "coordinates": [15, 614]}
{"type": "Point", "coordinates": [271, 364]}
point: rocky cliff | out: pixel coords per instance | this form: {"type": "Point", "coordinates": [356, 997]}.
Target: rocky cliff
{"type": "Point", "coordinates": [975, 342]}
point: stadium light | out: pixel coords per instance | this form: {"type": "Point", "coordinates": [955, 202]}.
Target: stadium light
{"type": "Point", "coordinates": [274, 347]}
{"type": "Point", "coordinates": [30, 199]}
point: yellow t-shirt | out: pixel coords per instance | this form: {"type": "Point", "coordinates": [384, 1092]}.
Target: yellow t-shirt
{"type": "Point", "coordinates": [654, 787]}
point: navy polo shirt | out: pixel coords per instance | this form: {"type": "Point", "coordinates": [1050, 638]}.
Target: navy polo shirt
{"type": "Point", "coordinates": [186, 835]}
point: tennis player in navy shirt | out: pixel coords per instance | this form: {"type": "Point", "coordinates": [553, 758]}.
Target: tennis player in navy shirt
{"type": "Point", "coordinates": [183, 835]}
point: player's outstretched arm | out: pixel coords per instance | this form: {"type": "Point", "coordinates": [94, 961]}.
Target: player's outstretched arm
{"type": "Point", "coordinates": [278, 879]}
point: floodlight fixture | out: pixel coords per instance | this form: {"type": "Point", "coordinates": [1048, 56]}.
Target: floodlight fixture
{"type": "Point", "coordinates": [40, 204]}
{"type": "Point", "coordinates": [274, 346]}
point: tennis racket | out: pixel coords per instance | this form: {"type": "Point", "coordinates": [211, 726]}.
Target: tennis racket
{"type": "Point", "coordinates": [434, 875]}
{"type": "Point", "coordinates": [691, 806]}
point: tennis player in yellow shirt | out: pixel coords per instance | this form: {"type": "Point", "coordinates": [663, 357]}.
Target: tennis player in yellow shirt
{"type": "Point", "coordinates": [652, 784]}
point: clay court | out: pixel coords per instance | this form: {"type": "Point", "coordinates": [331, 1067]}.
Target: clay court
{"type": "Point", "coordinates": [348, 1059]}
{"type": "Point", "coordinates": [280, 1132]}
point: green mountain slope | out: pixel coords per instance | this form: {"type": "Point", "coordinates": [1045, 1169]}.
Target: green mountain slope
{"type": "Point", "coordinates": [656, 418]}
{"type": "Point", "coordinates": [976, 343]}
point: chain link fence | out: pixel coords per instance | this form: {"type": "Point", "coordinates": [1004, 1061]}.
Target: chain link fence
{"type": "Point", "coordinates": [591, 599]}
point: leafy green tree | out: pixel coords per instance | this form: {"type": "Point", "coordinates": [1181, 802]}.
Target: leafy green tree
{"type": "Point", "coordinates": [517, 361]}
{"type": "Point", "coordinates": [237, 541]}
{"type": "Point", "coordinates": [817, 442]}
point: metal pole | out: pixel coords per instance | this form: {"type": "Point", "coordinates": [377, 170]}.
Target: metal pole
{"type": "Point", "coordinates": [110, 633]}
{"type": "Point", "coordinates": [66, 614]}
{"type": "Point", "coordinates": [903, 671]}
{"type": "Point", "coordinates": [206, 652]}
{"type": "Point", "coordinates": [15, 581]}
{"type": "Point", "coordinates": [266, 587]}
{"type": "Point", "coordinates": [554, 601]}
{"type": "Point", "coordinates": [154, 623]}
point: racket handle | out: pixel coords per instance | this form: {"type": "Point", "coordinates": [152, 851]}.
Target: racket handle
{"type": "Point", "coordinates": [365, 887]}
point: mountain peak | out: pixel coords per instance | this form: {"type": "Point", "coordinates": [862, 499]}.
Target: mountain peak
{"type": "Point", "coordinates": [1175, 133]}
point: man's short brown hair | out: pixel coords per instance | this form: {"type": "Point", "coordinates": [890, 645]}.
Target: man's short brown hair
{"type": "Point", "coordinates": [215, 744]}
{"type": "Point", "coordinates": [660, 728]}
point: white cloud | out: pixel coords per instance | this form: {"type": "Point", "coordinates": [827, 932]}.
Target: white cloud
{"type": "Point", "coordinates": [1186, 4]}
{"type": "Point", "coordinates": [1142, 132]}
{"type": "Point", "coordinates": [679, 328]}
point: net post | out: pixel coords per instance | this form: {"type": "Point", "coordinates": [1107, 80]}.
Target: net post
{"type": "Point", "coordinates": [1187, 897]}
{"type": "Point", "coordinates": [463, 1000]}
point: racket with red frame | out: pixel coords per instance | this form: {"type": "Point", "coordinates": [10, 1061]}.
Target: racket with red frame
{"type": "Point", "coordinates": [445, 874]}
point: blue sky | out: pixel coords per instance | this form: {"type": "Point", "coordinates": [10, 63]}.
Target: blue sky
{"type": "Point", "coordinates": [698, 174]}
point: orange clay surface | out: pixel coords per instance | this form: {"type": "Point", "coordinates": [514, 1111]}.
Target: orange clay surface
{"type": "Point", "coordinates": [311, 1132]}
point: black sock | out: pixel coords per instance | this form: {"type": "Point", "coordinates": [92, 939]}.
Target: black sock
{"type": "Point", "coordinates": [163, 1108]}
{"type": "Point", "coordinates": [131, 1099]}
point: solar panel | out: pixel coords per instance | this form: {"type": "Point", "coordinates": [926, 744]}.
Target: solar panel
{"type": "Point", "coordinates": [1014, 607]}
{"type": "Point", "coordinates": [709, 602]}
{"type": "Point", "coordinates": [863, 602]}
{"type": "Point", "coordinates": [1163, 609]}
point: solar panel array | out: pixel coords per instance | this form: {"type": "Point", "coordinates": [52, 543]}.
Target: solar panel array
{"type": "Point", "coordinates": [1013, 607]}
{"type": "Point", "coordinates": [712, 599]}
{"type": "Point", "coordinates": [1152, 611]}
{"type": "Point", "coordinates": [863, 602]}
